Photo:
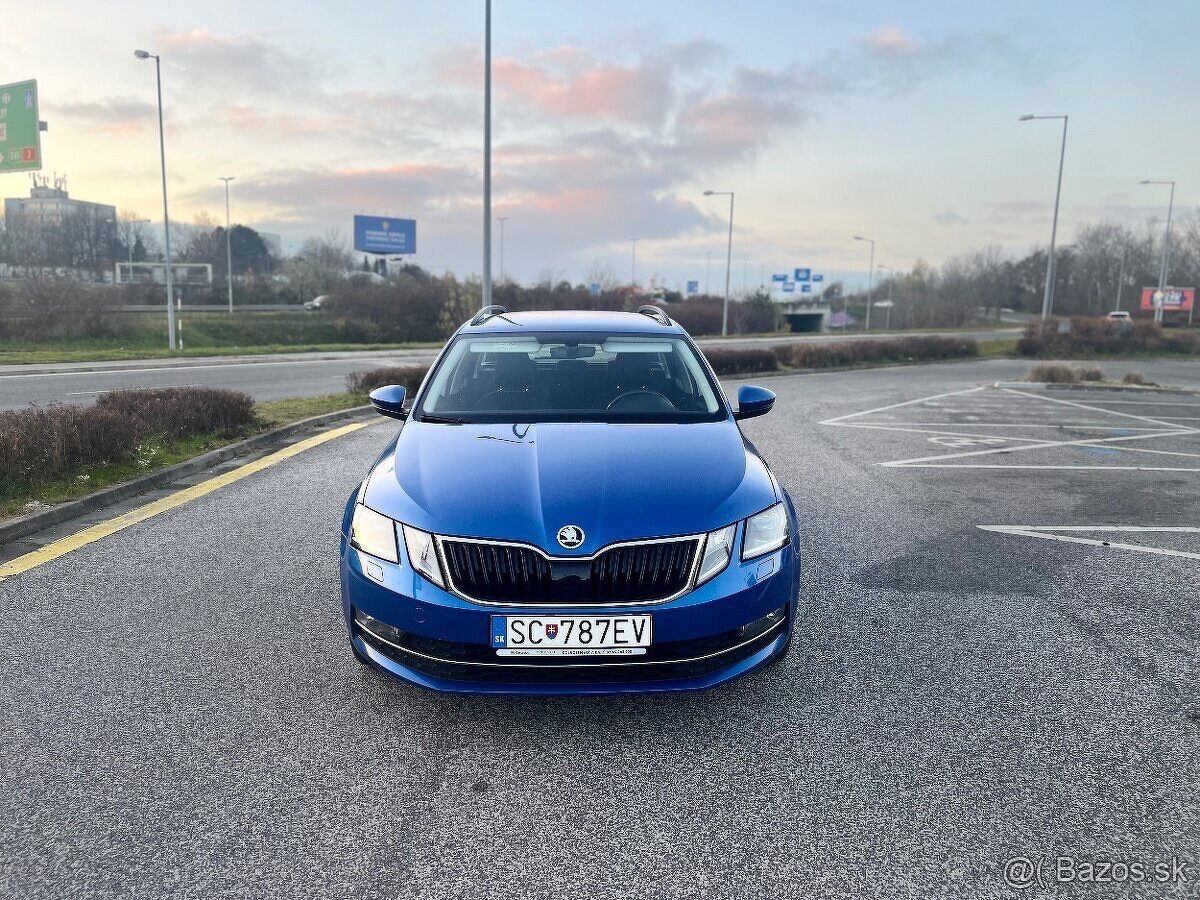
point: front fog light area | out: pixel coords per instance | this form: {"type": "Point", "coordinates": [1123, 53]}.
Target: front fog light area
{"type": "Point", "coordinates": [423, 554]}
{"type": "Point", "coordinates": [765, 532]}
{"type": "Point", "coordinates": [374, 534]}
{"type": "Point", "coordinates": [765, 624]}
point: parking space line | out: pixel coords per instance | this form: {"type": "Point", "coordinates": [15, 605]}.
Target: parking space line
{"type": "Point", "coordinates": [1111, 412]}
{"type": "Point", "coordinates": [867, 412]}
{"type": "Point", "coordinates": [101, 530]}
{"type": "Point", "coordinates": [1049, 532]}
{"type": "Point", "coordinates": [1045, 445]}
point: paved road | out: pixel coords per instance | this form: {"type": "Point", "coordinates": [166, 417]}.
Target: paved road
{"type": "Point", "coordinates": [182, 716]}
{"type": "Point", "coordinates": [265, 377]}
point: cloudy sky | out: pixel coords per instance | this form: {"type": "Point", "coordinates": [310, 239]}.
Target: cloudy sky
{"type": "Point", "coordinates": [893, 120]}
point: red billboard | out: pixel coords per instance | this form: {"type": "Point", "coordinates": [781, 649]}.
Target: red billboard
{"type": "Point", "coordinates": [1174, 299]}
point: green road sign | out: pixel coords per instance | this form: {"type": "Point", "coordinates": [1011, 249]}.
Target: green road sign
{"type": "Point", "coordinates": [20, 137]}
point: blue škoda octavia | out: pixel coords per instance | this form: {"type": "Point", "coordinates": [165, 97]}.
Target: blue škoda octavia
{"type": "Point", "coordinates": [570, 507]}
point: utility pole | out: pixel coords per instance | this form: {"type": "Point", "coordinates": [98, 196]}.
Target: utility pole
{"type": "Point", "coordinates": [228, 244]}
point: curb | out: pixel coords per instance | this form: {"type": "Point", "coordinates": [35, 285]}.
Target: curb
{"type": "Point", "coordinates": [32, 523]}
{"type": "Point", "coordinates": [1118, 388]}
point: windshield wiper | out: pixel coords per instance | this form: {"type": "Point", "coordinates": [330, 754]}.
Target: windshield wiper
{"type": "Point", "coordinates": [442, 420]}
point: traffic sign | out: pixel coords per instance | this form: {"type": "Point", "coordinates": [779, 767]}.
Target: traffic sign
{"type": "Point", "coordinates": [818, 277]}
{"type": "Point", "coordinates": [20, 136]}
{"type": "Point", "coordinates": [884, 304]}
{"type": "Point", "coordinates": [779, 278]}
{"type": "Point", "coordinates": [789, 287]}
{"type": "Point", "coordinates": [594, 287]}
{"type": "Point", "coordinates": [693, 287]}
{"type": "Point", "coordinates": [806, 288]}
{"type": "Point", "coordinates": [803, 274]}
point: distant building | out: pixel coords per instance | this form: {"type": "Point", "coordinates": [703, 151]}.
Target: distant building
{"type": "Point", "coordinates": [50, 204]}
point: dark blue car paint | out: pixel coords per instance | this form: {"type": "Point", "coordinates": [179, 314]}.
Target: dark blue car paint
{"type": "Point", "coordinates": [617, 481]}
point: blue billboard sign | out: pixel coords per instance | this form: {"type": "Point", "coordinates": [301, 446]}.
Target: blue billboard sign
{"type": "Point", "coordinates": [779, 278]}
{"type": "Point", "coordinates": [818, 277]}
{"type": "Point", "coordinates": [806, 288]}
{"type": "Point", "coordinates": [693, 287]}
{"type": "Point", "coordinates": [803, 274]}
{"type": "Point", "coordinates": [377, 234]}
{"type": "Point", "coordinates": [594, 288]}
{"type": "Point", "coordinates": [789, 287]}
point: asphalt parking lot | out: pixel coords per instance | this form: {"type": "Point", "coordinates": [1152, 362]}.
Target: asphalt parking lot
{"type": "Point", "coordinates": [998, 662]}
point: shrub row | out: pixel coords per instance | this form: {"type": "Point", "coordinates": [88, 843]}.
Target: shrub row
{"type": "Point", "coordinates": [57, 441]}
{"type": "Point", "coordinates": [1081, 334]}
{"type": "Point", "coordinates": [1055, 373]}
{"type": "Point", "coordinates": [740, 362]}
{"type": "Point", "coordinates": [849, 353]}
{"type": "Point", "coordinates": [365, 382]}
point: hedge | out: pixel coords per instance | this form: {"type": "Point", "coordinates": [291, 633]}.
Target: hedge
{"type": "Point", "coordinates": [48, 442]}
{"type": "Point", "coordinates": [848, 353]}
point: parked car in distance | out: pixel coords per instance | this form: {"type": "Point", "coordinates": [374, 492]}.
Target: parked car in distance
{"type": "Point", "coordinates": [316, 303]}
{"type": "Point", "coordinates": [570, 507]}
{"type": "Point", "coordinates": [1119, 315]}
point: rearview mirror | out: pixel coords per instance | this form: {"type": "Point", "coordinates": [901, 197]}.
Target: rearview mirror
{"type": "Point", "coordinates": [389, 401]}
{"type": "Point", "coordinates": [753, 401]}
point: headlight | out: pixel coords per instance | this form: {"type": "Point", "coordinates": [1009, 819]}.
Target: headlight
{"type": "Point", "coordinates": [423, 554]}
{"type": "Point", "coordinates": [765, 532]}
{"type": "Point", "coordinates": [718, 547]}
{"type": "Point", "coordinates": [374, 534]}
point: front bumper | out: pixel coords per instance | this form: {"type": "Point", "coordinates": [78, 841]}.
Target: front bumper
{"type": "Point", "coordinates": [412, 629]}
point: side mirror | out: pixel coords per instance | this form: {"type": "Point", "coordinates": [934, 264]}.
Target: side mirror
{"type": "Point", "coordinates": [753, 401]}
{"type": "Point", "coordinates": [389, 401]}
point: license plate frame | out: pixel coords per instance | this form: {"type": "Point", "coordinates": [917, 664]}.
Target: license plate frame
{"type": "Point", "coordinates": [565, 634]}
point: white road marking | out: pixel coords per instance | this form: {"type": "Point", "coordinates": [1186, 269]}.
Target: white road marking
{"type": "Point", "coordinates": [1049, 532]}
{"type": "Point", "coordinates": [1111, 412]}
{"type": "Point", "coordinates": [1045, 445]}
{"type": "Point", "coordinates": [867, 412]}
{"type": "Point", "coordinates": [994, 401]}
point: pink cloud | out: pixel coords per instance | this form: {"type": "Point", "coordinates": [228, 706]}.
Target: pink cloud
{"type": "Point", "coordinates": [891, 39]}
{"type": "Point", "coordinates": [565, 83]}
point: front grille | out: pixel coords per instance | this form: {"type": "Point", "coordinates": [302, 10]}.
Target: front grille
{"type": "Point", "coordinates": [499, 573]}
{"type": "Point", "coordinates": [630, 573]}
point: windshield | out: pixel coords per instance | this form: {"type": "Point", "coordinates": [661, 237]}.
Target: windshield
{"type": "Point", "coordinates": [557, 377]}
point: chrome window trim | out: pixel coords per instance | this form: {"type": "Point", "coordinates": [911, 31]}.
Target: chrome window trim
{"type": "Point", "coordinates": [608, 665]}
{"type": "Point", "coordinates": [689, 584]}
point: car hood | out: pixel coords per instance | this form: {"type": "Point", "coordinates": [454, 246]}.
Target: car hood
{"type": "Point", "coordinates": [524, 482]}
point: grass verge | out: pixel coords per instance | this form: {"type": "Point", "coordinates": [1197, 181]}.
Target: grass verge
{"type": "Point", "coordinates": [156, 453]}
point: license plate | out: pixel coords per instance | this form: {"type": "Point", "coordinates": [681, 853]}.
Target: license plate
{"type": "Point", "coordinates": [571, 635]}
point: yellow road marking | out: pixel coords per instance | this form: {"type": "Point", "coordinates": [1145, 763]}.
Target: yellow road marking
{"type": "Point", "coordinates": [101, 530]}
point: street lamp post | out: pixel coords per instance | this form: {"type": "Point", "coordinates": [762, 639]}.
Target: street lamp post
{"type": "Point", "coordinates": [891, 280]}
{"type": "Point", "coordinates": [162, 151]}
{"type": "Point", "coordinates": [728, 259]}
{"type": "Point", "coordinates": [228, 243]}
{"type": "Point", "coordinates": [487, 155]}
{"type": "Point", "coordinates": [502, 220]}
{"type": "Point", "coordinates": [633, 266]}
{"type": "Point", "coordinates": [1162, 271]}
{"type": "Point", "coordinates": [1048, 296]}
{"type": "Point", "coordinates": [870, 279]}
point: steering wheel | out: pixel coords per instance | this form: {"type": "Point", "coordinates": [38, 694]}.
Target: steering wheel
{"type": "Point", "coordinates": [657, 402]}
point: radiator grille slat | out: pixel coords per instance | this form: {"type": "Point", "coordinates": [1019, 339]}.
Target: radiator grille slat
{"type": "Point", "coordinates": [638, 573]}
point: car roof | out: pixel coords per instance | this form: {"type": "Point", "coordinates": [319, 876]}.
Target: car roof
{"type": "Point", "coordinates": [573, 320]}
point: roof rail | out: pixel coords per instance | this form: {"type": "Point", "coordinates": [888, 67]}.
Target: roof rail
{"type": "Point", "coordinates": [656, 313]}
{"type": "Point", "coordinates": [486, 313]}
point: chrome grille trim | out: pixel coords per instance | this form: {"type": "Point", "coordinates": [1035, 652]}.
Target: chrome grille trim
{"type": "Point", "coordinates": [689, 581]}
